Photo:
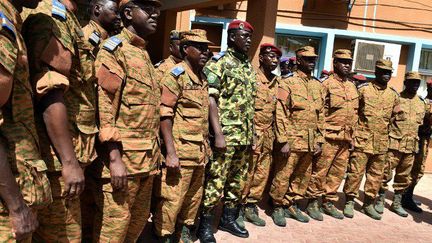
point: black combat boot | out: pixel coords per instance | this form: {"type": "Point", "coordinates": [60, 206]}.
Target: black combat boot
{"type": "Point", "coordinates": [408, 202]}
{"type": "Point", "coordinates": [228, 222]}
{"type": "Point", "coordinates": [205, 231]}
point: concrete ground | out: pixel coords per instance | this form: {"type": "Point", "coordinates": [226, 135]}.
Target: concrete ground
{"type": "Point", "coordinates": [361, 228]}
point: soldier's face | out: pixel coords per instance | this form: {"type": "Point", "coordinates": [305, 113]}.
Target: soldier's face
{"type": "Point", "coordinates": [30, 3]}
{"type": "Point", "coordinates": [411, 86]}
{"type": "Point", "coordinates": [197, 53]}
{"type": "Point", "coordinates": [175, 48]}
{"type": "Point", "coordinates": [145, 18]}
{"type": "Point", "coordinates": [242, 40]}
{"type": "Point", "coordinates": [269, 60]}
{"type": "Point", "coordinates": [382, 76]}
{"type": "Point", "coordinates": [284, 68]}
{"type": "Point", "coordinates": [108, 16]}
{"type": "Point", "coordinates": [343, 66]}
{"type": "Point", "coordinates": [307, 63]}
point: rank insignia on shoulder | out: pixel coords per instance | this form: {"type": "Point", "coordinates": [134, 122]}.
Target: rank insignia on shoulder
{"type": "Point", "coordinates": [176, 71]}
{"type": "Point", "coordinates": [159, 63]}
{"type": "Point", "coordinates": [7, 25]}
{"type": "Point", "coordinates": [362, 85]}
{"type": "Point", "coordinates": [58, 10]}
{"type": "Point", "coordinates": [218, 56]}
{"type": "Point", "coordinates": [112, 43]}
{"type": "Point", "coordinates": [94, 38]}
{"type": "Point", "coordinates": [287, 75]}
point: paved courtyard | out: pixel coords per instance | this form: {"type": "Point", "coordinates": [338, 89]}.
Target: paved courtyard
{"type": "Point", "coordinates": [392, 228]}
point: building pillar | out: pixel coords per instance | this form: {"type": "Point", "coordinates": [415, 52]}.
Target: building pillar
{"type": "Point", "coordinates": [326, 53]}
{"type": "Point", "coordinates": [414, 56]}
{"type": "Point", "coordinates": [262, 15]}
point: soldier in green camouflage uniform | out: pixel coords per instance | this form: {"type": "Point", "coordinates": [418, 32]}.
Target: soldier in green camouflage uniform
{"type": "Point", "coordinates": [232, 89]}
{"type": "Point", "coordinates": [24, 186]}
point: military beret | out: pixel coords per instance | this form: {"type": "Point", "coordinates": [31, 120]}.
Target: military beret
{"type": "Point", "coordinates": [384, 64]}
{"type": "Point", "coordinates": [292, 59]}
{"type": "Point", "coordinates": [412, 76]}
{"type": "Point", "coordinates": [325, 72]}
{"type": "Point", "coordinates": [240, 25]}
{"type": "Point", "coordinates": [306, 51]}
{"type": "Point", "coordinates": [121, 3]}
{"type": "Point", "coordinates": [267, 47]}
{"type": "Point", "coordinates": [194, 35]}
{"type": "Point", "coordinates": [284, 60]}
{"type": "Point", "coordinates": [359, 77]}
{"type": "Point", "coordinates": [343, 54]}
{"type": "Point", "coordinates": [429, 81]}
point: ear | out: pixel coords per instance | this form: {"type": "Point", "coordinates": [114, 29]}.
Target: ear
{"type": "Point", "coordinates": [261, 58]}
{"type": "Point", "coordinates": [96, 10]}
{"type": "Point", "coordinates": [127, 11]}
{"type": "Point", "coordinates": [231, 36]}
{"type": "Point", "coordinates": [184, 48]}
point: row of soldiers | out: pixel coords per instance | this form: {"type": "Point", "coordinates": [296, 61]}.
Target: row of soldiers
{"type": "Point", "coordinates": [84, 112]}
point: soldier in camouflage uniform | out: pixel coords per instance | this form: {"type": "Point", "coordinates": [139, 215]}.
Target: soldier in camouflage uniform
{"type": "Point", "coordinates": [24, 186]}
{"type": "Point", "coordinates": [403, 144]}
{"type": "Point", "coordinates": [418, 168]}
{"type": "Point", "coordinates": [340, 111]}
{"type": "Point", "coordinates": [299, 115]}
{"type": "Point", "coordinates": [168, 64]}
{"type": "Point", "coordinates": [378, 104]}
{"type": "Point", "coordinates": [129, 99]}
{"type": "Point", "coordinates": [184, 126]}
{"type": "Point", "coordinates": [62, 75]}
{"type": "Point", "coordinates": [265, 107]}
{"type": "Point", "coordinates": [104, 21]}
{"type": "Point", "coordinates": [232, 88]}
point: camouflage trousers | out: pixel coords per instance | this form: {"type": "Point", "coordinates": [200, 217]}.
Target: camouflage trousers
{"type": "Point", "coordinates": [122, 216]}
{"type": "Point", "coordinates": [259, 169]}
{"type": "Point", "coordinates": [418, 168]}
{"type": "Point", "coordinates": [60, 221]}
{"type": "Point", "coordinates": [359, 164]}
{"type": "Point", "coordinates": [179, 195]}
{"type": "Point", "coordinates": [292, 176]}
{"type": "Point", "coordinates": [6, 230]}
{"type": "Point", "coordinates": [329, 171]}
{"type": "Point", "coordinates": [402, 163]}
{"type": "Point", "coordinates": [226, 174]}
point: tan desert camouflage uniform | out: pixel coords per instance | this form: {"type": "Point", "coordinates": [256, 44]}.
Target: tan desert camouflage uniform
{"type": "Point", "coordinates": [94, 34]}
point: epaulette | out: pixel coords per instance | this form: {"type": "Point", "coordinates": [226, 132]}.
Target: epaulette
{"type": "Point", "coordinates": [7, 25]}
{"type": "Point", "coordinates": [159, 63]}
{"type": "Point", "coordinates": [394, 91]}
{"type": "Point", "coordinates": [112, 43]}
{"type": "Point", "coordinates": [362, 85]}
{"type": "Point", "coordinates": [218, 56]}
{"type": "Point", "coordinates": [176, 71]}
{"type": "Point", "coordinates": [94, 38]}
{"type": "Point", "coordinates": [58, 10]}
{"type": "Point", "coordinates": [287, 75]}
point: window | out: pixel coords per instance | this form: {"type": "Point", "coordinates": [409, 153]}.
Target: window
{"type": "Point", "coordinates": [290, 43]}
{"type": "Point", "coordinates": [214, 34]}
{"type": "Point", "coordinates": [426, 62]}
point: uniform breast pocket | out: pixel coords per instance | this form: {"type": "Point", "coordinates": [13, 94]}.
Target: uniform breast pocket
{"type": "Point", "coordinates": [337, 100]}
{"type": "Point", "coordinates": [299, 102]}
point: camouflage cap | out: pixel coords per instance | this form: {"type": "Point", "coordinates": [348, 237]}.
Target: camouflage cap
{"type": "Point", "coordinates": [343, 54]}
{"type": "Point", "coordinates": [194, 35]}
{"type": "Point", "coordinates": [121, 3]}
{"type": "Point", "coordinates": [174, 35]}
{"type": "Point", "coordinates": [384, 64]}
{"type": "Point", "coordinates": [306, 51]}
{"type": "Point", "coordinates": [412, 76]}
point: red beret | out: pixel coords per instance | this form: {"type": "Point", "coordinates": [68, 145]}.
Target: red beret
{"type": "Point", "coordinates": [359, 77]}
{"type": "Point", "coordinates": [325, 72]}
{"type": "Point", "coordinates": [429, 82]}
{"type": "Point", "coordinates": [240, 25]}
{"type": "Point", "coordinates": [267, 47]}
{"type": "Point", "coordinates": [292, 59]}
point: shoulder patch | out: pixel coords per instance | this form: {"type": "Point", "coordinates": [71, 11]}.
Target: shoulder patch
{"type": "Point", "coordinates": [94, 38]}
{"type": "Point", "coordinates": [58, 10]}
{"type": "Point", "coordinates": [7, 25]}
{"type": "Point", "coordinates": [176, 71]}
{"type": "Point", "coordinates": [362, 85]}
{"type": "Point", "coordinates": [112, 43]}
{"type": "Point", "coordinates": [159, 63]}
{"type": "Point", "coordinates": [218, 56]}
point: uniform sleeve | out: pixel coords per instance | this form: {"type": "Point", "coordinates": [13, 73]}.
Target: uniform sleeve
{"type": "Point", "coordinates": [282, 112]}
{"type": "Point", "coordinates": [110, 76]}
{"type": "Point", "coordinates": [8, 61]}
{"type": "Point", "coordinates": [212, 73]}
{"type": "Point", "coordinates": [319, 136]}
{"type": "Point", "coordinates": [50, 53]}
{"type": "Point", "coordinates": [171, 90]}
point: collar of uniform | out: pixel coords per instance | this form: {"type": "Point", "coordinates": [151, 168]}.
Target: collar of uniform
{"type": "Point", "coordinates": [174, 59]}
{"type": "Point", "coordinates": [240, 56]}
{"type": "Point", "coordinates": [12, 13]}
{"type": "Point", "coordinates": [263, 77]}
{"type": "Point", "coordinates": [103, 33]}
{"type": "Point", "coordinates": [377, 86]}
{"type": "Point", "coordinates": [134, 39]}
{"type": "Point", "coordinates": [190, 73]}
{"type": "Point", "coordinates": [301, 74]}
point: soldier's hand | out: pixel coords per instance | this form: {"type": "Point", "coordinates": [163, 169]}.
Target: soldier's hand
{"type": "Point", "coordinates": [172, 161]}
{"type": "Point", "coordinates": [286, 150]}
{"type": "Point", "coordinates": [220, 143]}
{"type": "Point", "coordinates": [23, 222]}
{"type": "Point", "coordinates": [73, 176]}
{"type": "Point", "coordinates": [118, 173]}
{"type": "Point", "coordinates": [317, 149]}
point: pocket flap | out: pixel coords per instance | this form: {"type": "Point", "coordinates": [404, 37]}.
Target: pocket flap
{"type": "Point", "coordinates": [191, 112]}
{"type": "Point", "coordinates": [86, 121]}
{"type": "Point", "coordinates": [192, 137]}
{"type": "Point", "coordinates": [38, 164]}
{"type": "Point", "coordinates": [333, 128]}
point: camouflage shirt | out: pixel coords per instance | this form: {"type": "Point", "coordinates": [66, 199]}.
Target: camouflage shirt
{"type": "Point", "coordinates": [60, 58]}
{"type": "Point", "coordinates": [129, 102]}
{"type": "Point", "coordinates": [377, 106]}
{"type": "Point", "coordinates": [18, 131]}
{"type": "Point", "coordinates": [425, 130]}
{"type": "Point", "coordinates": [94, 34]}
{"type": "Point", "coordinates": [165, 66]}
{"type": "Point", "coordinates": [404, 128]}
{"type": "Point", "coordinates": [299, 112]}
{"type": "Point", "coordinates": [185, 99]}
{"type": "Point", "coordinates": [341, 104]}
{"type": "Point", "coordinates": [232, 81]}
